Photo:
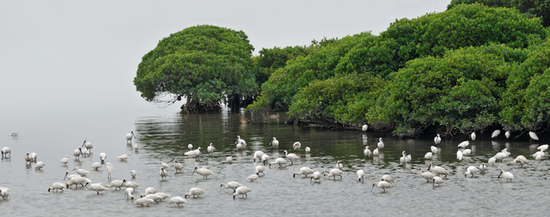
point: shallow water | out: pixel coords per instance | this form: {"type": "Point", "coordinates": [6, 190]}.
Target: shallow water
{"type": "Point", "coordinates": [164, 138]}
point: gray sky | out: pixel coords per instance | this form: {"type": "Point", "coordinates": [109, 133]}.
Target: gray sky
{"type": "Point", "coordinates": [81, 56]}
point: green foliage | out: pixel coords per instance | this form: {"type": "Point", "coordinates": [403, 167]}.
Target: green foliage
{"type": "Point", "coordinates": [539, 8]}
{"type": "Point", "coordinates": [525, 102]}
{"type": "Point", "coordinates": [462, 26]}
{"type": "Point", "coordinates": [272, 59]}
{"type": "Point", "coordinates": [340, 99]}
{"type": "Point", "coordinates": [204, 63]}
{"type": "Point", "coordinates": [285, 82]}
{"type": "Point", "coordinates": [459, 91]}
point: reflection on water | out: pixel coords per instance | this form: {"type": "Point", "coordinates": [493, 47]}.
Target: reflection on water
{"type": "Point", "coordinates": [165, 139]}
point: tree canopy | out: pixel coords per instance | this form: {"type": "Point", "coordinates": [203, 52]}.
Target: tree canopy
{"type": "Point", "coordinates": [452, 72]}
{"type": "Point", "coordinates": [539, 8]}
{"type": "Point", "coordinates": [206, 64]}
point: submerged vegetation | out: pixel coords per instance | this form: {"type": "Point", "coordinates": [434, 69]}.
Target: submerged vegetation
{"type": "Point", "coordinates": [470, 68]}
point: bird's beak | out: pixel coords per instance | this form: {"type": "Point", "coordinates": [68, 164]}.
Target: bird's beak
{"type": "Point", "coordinates": [499, 175]}
{"type": "Point", "coordinates": [83, 143]}
{"type": "Point", "coordinates": [134, 135]}
{"type": "Point", "coordinates": [372, 187]}
{"type": "Point", "coordinates": [194, 171]}
{"type": "Point", "coordinates": [65, 176]}
{"type": "Point", "coordinates": [123, 181]}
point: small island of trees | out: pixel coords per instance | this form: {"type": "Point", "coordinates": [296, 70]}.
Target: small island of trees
{"type": "Point", "coordinates": [474, 67]}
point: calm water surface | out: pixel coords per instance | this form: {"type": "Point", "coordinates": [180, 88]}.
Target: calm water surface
{"type": "Point", "coordinates": [164, 138]}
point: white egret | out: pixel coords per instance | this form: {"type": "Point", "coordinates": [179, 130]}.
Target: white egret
{"type": "Point", "coordinates": [471, 170]}
{"type": "Point", "coordinates": [492, 160]}
{"type": "Point", "coordinates": [240, 141]}
{"type": "Point", "coordinates": [427, 175]}
{"type": "Point", "coordinates": [482, 167]}
{"type": "Point", "coordinates": [520, 159]}
{"type": "Point", "coordinates": [543, 147]}
{"type": "Point", "coordinates": [203, 171]}
{"type": "Point", "coordinates": [495, 134]}
{"type": "Point", "coordinates": [387, 178]}
{"type": "Point", "coordinates": [210, 149]}
{"type": "Point", "coordinates": [195, 192]}
{"type": "Point", "coordinates": [382, 184]}
{"type": "Point", "coordinates": [459, 155]}
{"type": "Point", "coordinates": [533, 135]}
{"type": "Point", "coordinates": [242, 191]}
{"type": "Point", "coordinates": [129, 193]}
{"type": "Point", "coordinates": [133, 174]}
{"type": "Point", "coordinates": [403, 160]}
{"type": "Point", "coordinates": [316, 175]}
{"type": "Point", "coordinates": [116, 184]}
{"type": "Point", "coordinates": [81, 172]}
{"type": "Point", "coordinates": [95, 166]}
{"type": "Point", "coordinates": [109, 168]}
{"type": "Point", "coordinates": [274, 142]}
{"type": "Point", "coordinates": [194, 153]}
{"type": "Point", "coordinates": [56, 186]}
{"type": "Point", "coordinates": [437, 180]}
{"type": "Point", "coordinates": [178, 166]}
{"type": "Point", "coordinates": [364, 127]}
{"type": "Point", "coordinates": [85, 153]}
{"type": "Point", "coordinates": [144, 201]}
{"type": "Point", "coordinates": [233, 185]}
{"type": "Point", "coordinates": [439, 170]}
{"type": "Point", "coordinates": [375, 152]}
{"type": "Point", "coordinates": [5, 151]}
{"type": "Point", "coordinates": [333, 173]}
{"type": "Point", "coordinates": [463, 144]}
{"type": "Point", "coordinates": [28, 158]}
{"type": "Point", "coordinates": [367, 152]}
{"type": "Point", "coordinates": [129, 137]}
{"type": "Point", "coordinates": [380, 143]}
{"type": "Point", "coordinates": [291, 157]}
{"type": "Point", "coordinates": [88, 145]}
{"type": "Point", "coordinates": [507, 175]}
{"type": "Point", "coordinates": [260, 169]}
{"type": "Point", "coordinates": [539, 155]}
{"type": "Point", "coordinates": [360, 175]}
{"type": "Point", "coordinates": [229, 159]}
{"type": "Point", "coordinates": [265, 158]}
{"type": "Point", "coordinates": [258, 154]}
{"type": "Point", "coordinates": [163, 174]}
{"type": "Point", "coordinates": [97, 187]}
{"type": "Point", "coordinates": [467, 151]}
{"type": "Point", "coordinates": [339, 165]}
{"type": "Point", "coordinates": [65, 160]}
{"type": "Point", "coordinates": [473, 136]}
{"type": "Point", "coordinates": [133, 185]}
{"type": "Point", "coordinates": [149, 190]}
{"type": "Point", "coordinates": [434, 149]}
{"type": "Point", "coordinates": [39, 165]}
{"type": "Point", "coordinates": [428, 155]}
{"type": "Point", "coordinates": [123, 157]}
{"type": "Point", "coordinates": [307, 149]}
{"type": "Point", "coordinates": [177, 200]}
{"type": "Point", "coordinates": [296, 145]}
{"type": "Point", "coordinates": [303, 171]}
{"type": "Point", "coordinates": [252, 177]}
{"type": "Point", "coordinates": [102, 157]}
{"type": "Point", "coordinates": [279, 161]}
{"type": "Point", "coordinates": [4, 193]}
{"type": "Point", "coordinates": [507, 134]}
{"type": "Point", "coordinates": [437, 139]}
{"type": "Point", "coordinates": [77, 152]}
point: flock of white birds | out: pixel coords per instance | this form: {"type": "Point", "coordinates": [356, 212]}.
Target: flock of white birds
{"type": "Point", "coordinates": [151, 196]}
